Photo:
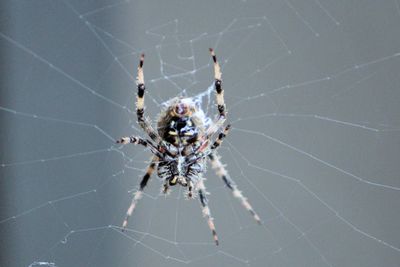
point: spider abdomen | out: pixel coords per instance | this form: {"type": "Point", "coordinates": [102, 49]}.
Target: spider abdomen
{"type": "Point", "coordinates": [180, 170]}
{"type": "Point", "coordinates": [167, 170]}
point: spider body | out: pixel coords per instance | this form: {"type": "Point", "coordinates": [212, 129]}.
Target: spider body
{"type": "Point", "coordinates": [180, 128]}
{"type": "Point", "coordinates": [182, 145]}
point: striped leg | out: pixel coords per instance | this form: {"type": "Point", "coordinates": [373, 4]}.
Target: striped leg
{"type": "Point", "coordinates": [220, 170]}
{"type": "Point", "coordinates": [146, 126]}
{"type": "Point", "coordinates": [218, 85]}
{"type": "Point", "coordinates": [220, 97]}
{"type": "Point", "coordinates": [220, 137]}
{"type": "Point", "coordinates": [206, 210]}
{"type": "Point", "coordinates": [190, 189]}
{"type": "Point", "coordinates": [133, 140]}
{"type": "Point", "coordinates": [165, 188]}
{"type": "Point", "coordinates": [138, 195]}
{"type": "Point", "coordinates": [140, 141]}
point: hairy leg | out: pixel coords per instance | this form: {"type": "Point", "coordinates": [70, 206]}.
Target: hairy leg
{"type": "Point", "coordinates": [143, 122]}
{"type": "Point", "coordinates": [206, 210]}
{"type": "Point", "coordinates": [139, 193]}
{"type": "Point", "coordinates": [220, 170]}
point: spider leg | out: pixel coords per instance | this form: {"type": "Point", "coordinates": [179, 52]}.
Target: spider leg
{"type": "Point", "coordinates": [206, 210]}
{"type": "Point", "coordinates": [139, 193]}
{"type": "Point", "coordinates": [146, 126]}
{"type": "Point", "coordinates": [198, 154]}
{"type": "Point", "coordinates": [190, 189]}
{"type": "Point", "coordinates": [133, 140]}
{"type": "Point", "coordinates": [219, 95]}
{"type": "Point", "coordinates": [218, 85]}
{"type": "Point", "coordinates": [220, 137]}
{"type": "Point", "coordinates": [140, 141]}
{"type": "Point", "coordinates": [165, 189]}
{"type": "Point", "coordinates": [220, 170]}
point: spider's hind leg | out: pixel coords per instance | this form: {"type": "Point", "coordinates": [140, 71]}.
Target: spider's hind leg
{"type": "Point", "coordinates": [206, 210]}
{"type": "Point", "coordinates": [220, 170]}
{"type": "Point", "coordinates": [139, 193]}
{"type": "Point", "coordinates": [165, 189]}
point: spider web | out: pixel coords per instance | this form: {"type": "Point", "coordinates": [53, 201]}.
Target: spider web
{"type": "Point", "coordinates": [312, 94]}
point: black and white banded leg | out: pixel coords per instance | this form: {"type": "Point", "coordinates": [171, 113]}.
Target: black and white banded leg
{"type": "Point", "coordinates": [165, 188]}
{"type": "Point", "coordinates": [190, 189]}
{"type": "Point", "coordinates": [220, 137]}
{"type": "Point", "coordinates": [206, 210]}
{"type": "Point", "coordinates": [132, 140]}
{"type": "Point", "coordinates": [221, 172]}
{"type": "Point", "coordinates": [139, 193]}
{"type": "Point", "coordinates": [142, 120]}
{"type": "Point", "coordinates": [140, 141]}
{"type": "Point", "coordinates": [218, 85]}
{"type": "Point", "coordinates": [219, 95]}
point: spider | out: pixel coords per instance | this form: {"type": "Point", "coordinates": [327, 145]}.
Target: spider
{"type": "Point", "coordinates": [182, 145]}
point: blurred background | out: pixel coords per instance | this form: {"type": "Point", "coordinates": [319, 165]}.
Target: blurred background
{"type": "Point", "coordinates": [312, 91]}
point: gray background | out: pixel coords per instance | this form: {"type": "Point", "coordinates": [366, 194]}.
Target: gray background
{"type": "Point", "coordinates": [312, 89]}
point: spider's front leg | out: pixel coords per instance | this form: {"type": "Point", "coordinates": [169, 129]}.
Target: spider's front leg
{"type": "Point", "coordinates": [218, 85]}
{"type": "Point", "coordinates": [219, 95]}
{"type": "Point", "coordinates": [146, 126]}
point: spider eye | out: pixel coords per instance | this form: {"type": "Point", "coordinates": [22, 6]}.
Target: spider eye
{"type": "Point", "coordinates": [181, 109]}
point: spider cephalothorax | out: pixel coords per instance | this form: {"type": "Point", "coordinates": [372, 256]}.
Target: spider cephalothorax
{"type": "Point", "coordinates": [180, 123]}
{"type": "Point", "coordinates": [182, 145]}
